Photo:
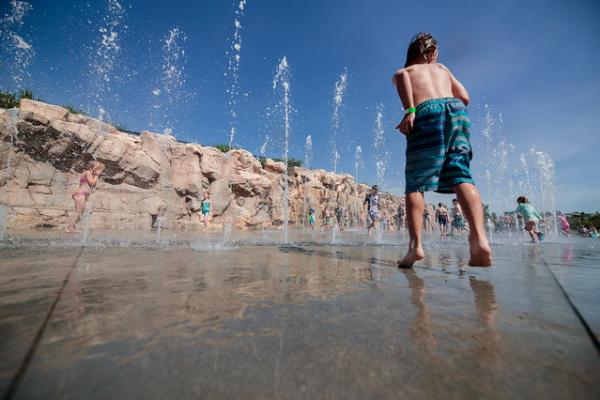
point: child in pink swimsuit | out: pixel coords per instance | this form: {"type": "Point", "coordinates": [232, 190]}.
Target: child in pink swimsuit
{"type": "Point", "coordinates": [87, 182]}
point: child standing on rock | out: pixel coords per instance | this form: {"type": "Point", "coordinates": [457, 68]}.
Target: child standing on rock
{"type": "Point", "coordinates": [311, 218]}
{"type": "Point", "coordinates": [205, 209]}
{"type": "Point", "coordinates": [87, 183]}
{"type": "Point", "coordinates": [438, 151]}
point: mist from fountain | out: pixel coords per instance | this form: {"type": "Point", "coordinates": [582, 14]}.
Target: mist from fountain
{"type": "Point", "coordinates": [11, 127]}
{"type": "Point", "coordinates": [169, 93]}
{"type": "Point", "coordinates": [233, 70]}
{"type": "Point", "coordinates": [105, 58]}
{"type": "Point", "coordinates": [547, 187]}
{"type": "Point", "coordinates": [281, 81]}
{"type": "Point", "coordinates": [3, 216]}
{"type": "Point", "coordinates": [16, 51]}
{"type": "Point", "coordinates": [338, 97]}
{"type": "Point", "coordinates": [508, 173]}
{"type": "Point", "coordinates": [308, 153]}
{"type": "Point", "coordinates": [160, 221]}
{"type": "Point", "coordinates": [265, 146]}
{"type": "Point", "coordinates": [358, 162]}
{"type": "Point", "coordinates": [381, 154]}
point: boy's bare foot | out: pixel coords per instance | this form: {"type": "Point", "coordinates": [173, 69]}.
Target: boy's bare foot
{"type": "Point", "coordinates": [412, 256]}
{"type": "Point", "coordinates": [481, 254]}
{"type": "Point", "coordinates": [71, 230]}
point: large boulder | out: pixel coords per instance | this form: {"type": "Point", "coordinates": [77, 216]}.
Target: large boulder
{"type": "Point", "coordinates": [44, 149]}
{"type": "Point", "coordinates": [42, 111]}
{"type": "Point", "coordinates": [221, 196]}
{"type": "Point", "coordinates": [213, 163]}
{"type": "Point", "coordinates": [276, 167]}
{"type": "Point", "coordinates": [187, 175]}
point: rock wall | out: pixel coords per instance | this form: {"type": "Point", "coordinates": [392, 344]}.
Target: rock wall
{"type": "Point", "coordinates": [44, 148]}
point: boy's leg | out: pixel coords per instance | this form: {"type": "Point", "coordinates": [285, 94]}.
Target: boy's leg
{"type": "Point", "coordinates": [470, 201]}
{"type": "Point", "coordinates": [415, 205]}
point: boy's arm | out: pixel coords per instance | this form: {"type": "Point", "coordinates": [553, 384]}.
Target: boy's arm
{"type": "Point", "coordinates": [401, 80]}
{"type": "Point", "coordinates": [458, 90]}
{"type": "Point", "coordinates": [403, 85]}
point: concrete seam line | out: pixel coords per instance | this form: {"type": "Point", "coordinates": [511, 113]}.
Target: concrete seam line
{"type": "Point", "coordinates": [18, 376]}
{"type": "Point", "coordinates": [586, 326]}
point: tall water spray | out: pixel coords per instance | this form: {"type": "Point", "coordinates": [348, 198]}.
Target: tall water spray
{"type": "Point", "coordinates": [169, 93]}
{"type": "Point", "coordinates": [547, 187]}
{"type": "Point", "coordinates": [308, 153]}
{"type": "Point", "coordinates": [510, 173]}
{"type": "Point", "coordinates": [526, 183]}
{"type": "Point", "coordinates": [11, 127]}
{"type": "Point", "coordinates": [3, 215]}
{"type": "Point", "coordinates": [381, 154]}
{"type": "Point", "coordinates": [15, 49]}
{"type": "Point", "coordinates": [265, 146]}
{"type": "Point", "coordinates": [281, 81]}
{"type": "Point", "coordinates": [105, 57]}
{"type": "Point", "coordinates": [338, 97]}
{"type": "Point", "coordinates": [233, 70]}
{"type": "Point", "coordinates": [357, 161]}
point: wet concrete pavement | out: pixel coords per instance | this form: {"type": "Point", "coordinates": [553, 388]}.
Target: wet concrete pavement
{"type": "Point", "coordinates": [299, 322]}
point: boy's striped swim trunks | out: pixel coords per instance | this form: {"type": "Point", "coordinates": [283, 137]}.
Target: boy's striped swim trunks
{"type": "Point", "coordinates": [438, 150]}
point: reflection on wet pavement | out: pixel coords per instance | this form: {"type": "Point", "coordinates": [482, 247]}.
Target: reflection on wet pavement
{"type": "Point", "coordinates": [298, 322]}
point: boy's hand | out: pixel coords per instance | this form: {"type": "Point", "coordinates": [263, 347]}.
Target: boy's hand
{"type": "Point", "coordinates": [406, 126]}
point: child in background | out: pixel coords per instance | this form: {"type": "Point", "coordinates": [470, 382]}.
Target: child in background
{"type": "Point", "coordinates": [458, 219]}
{"type": "Point", "coordinates": [205, 209]}
{"type": "Point", "coordinates": [565, 227]}
{"type": "Point", "coordinates": [531, 217]}
{"type": "Point", "coordinates": [339, 216]}
{"type": "Point", "coordinates": [311, 218]}
{"type": "Point", "coordinates": [87, 183]}
{"type": "Point", "coordinates": [372, 201]}
{"type": "Point", "coordinates": [441, 214]}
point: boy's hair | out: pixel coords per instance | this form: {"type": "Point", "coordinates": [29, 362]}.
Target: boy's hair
{"type": "Point", "coordinates": [522, 200]}
{"type": "Point", "coordinates": [420, 45]}
{"type": "Point", "coordinates": [375, 187]}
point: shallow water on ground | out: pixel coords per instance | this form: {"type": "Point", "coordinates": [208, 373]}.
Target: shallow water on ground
{"type": "Point", "coordinates": [257, 319]}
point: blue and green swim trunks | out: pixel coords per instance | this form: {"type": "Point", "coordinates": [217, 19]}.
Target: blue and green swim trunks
{"type": "Point", "coordinates": [438, 150]}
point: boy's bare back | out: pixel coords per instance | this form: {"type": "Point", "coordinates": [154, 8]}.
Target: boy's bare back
{"type": "Point", "coordinates": [420, 82]}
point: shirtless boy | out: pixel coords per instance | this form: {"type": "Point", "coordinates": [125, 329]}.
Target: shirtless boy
{"type": "Point", "coordinates": [438, 151]}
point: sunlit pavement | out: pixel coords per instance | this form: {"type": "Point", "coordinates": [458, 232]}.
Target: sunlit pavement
{"type": "Point", "coordinates": [300, 321]}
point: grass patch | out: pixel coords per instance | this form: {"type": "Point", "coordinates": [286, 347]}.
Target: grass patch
{"type": "Point", "coordinates": [12, 100]}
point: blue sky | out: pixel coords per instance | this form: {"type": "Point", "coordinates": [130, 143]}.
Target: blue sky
{"type": "Point", "coordinates": [532, 63]}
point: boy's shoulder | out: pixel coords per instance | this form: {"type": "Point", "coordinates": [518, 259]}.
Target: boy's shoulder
{"type": "Point", "coordinates": [416, 67]}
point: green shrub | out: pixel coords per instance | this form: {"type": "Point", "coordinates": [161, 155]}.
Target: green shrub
{"type": "Point", "coordinates": [8, 100]}
{"type": "Point", "coordinates": [223, 147]}
{"type": "Point", "coordinates": [26, 94]}
{"type": "Point", "coordinates": [292, 162]}
{"type": "Point", "coordinates": [12, 100]}
{"type": "Point", "coordinates": [580, 219]}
